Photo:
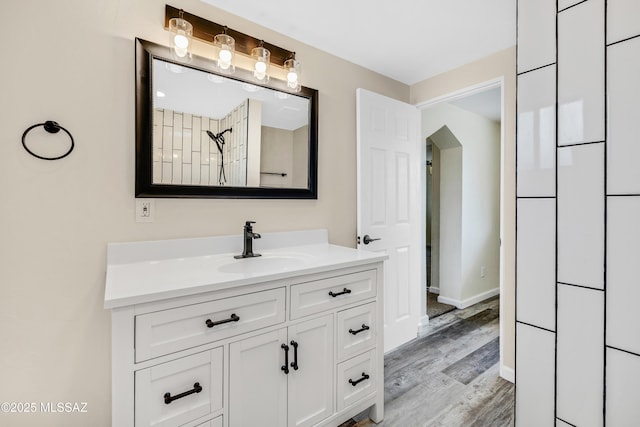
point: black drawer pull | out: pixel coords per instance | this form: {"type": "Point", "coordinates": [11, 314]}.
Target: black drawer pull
{"type": "Point", "coordinates": [211, 324]}
{"type": "Point", "coordinates": [285, 367]}
{"type": "Point", "coordinates": [364, 328]}
{"type": "Point", "coordinates": [355, 383]}
{"type": "Point", "coordinates": [344, 291]}
{"type": "Point", "coordinates": [197, 388]}
{"type": "Point", "coordinates": [294, 364]}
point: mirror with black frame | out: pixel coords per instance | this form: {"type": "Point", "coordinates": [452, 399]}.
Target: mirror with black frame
{"type": "Point", "coordinates": [203, 134]}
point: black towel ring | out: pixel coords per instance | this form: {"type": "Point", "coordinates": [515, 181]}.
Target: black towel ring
{"type": "Point", "coordinates": [51, 127]}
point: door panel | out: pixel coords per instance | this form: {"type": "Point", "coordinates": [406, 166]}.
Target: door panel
{"type": "Point", "coordinates": [389, 205]}
{"type": "Point", "coordinates": [311, 385]}
{"type": "Point", "coordinates": [257, 385]}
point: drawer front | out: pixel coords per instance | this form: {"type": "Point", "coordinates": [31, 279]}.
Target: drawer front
{"type": "Point", "coordinates": [357, 330]}
{"type": "Point", "coordinates": [326, 294]}
{"type": "Point", "coordinates": [168, 331]}
{"type": "Point", "coordinates": [158, 390]}
{"type": "Point", "coordinates": [356, 379]}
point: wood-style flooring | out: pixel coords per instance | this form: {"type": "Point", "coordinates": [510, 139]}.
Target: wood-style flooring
{"type": "Point", "coordinates": [450, 376]}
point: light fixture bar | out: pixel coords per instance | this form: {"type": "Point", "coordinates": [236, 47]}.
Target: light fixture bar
{"type": "Point", "coordinates": [205, 30]}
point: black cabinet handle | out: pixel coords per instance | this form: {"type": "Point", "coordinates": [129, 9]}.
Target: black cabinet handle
{"type": "Point", "coordinates": [364, 328]}
{"type": "Point", "coordinates": [344, 291]}
{"type": "Point", "coordinates": [294, 364]}
{"type": "Point", "coordinates": [211, 324]}
{"type": "Point", "coordinates": [197, 388]}
{"type": "Point", "coordinates": [355, 383]}
{"type": "Point", "coordinates": [285, 367]}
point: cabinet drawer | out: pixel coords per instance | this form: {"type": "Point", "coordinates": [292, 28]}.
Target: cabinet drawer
{"type": "Point", "coordinates": [155, 386]}
{"type": "Point", "coordinates": [317, 296]}
{"type": "Point", "coordinates": [357, 330]}
{"type": "Point", "coordinates": [356, 379]}
{"type": "Point", "coordinates": [168, 331]}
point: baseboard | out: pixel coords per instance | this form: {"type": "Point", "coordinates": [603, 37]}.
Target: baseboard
{"type": "Point", "coordinates": [508, 373]}
{"type": "Point", "coordinates": [470, 301]}
{"type": "Point", "coordinates": [433, 290]}
{"type": "Point", "coordinates": [423, 325]}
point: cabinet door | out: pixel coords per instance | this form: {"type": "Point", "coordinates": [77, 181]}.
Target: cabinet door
{"type": "Point", "coordinates": [257, 384]}
{"type": "Point", "coordinates": [311, 385]}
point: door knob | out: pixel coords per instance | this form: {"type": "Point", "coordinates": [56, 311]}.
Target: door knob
{"type": "Point", "coordinates": [367, 239]}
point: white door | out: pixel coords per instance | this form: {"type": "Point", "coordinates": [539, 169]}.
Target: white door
{"type": "Point", "coordinates": [389, 206]}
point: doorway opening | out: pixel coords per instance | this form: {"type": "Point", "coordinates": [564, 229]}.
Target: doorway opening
{"type": "Point", "coordinates": [463, 151]}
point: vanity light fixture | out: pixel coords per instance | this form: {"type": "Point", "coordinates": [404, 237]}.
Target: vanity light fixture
{"type": "Point", "coordinates": [262, 59]}
{"type": "Point", "coordinates": [226, 49]}
{"type": "Point", "coordinates": [294, 70]}
{"type": "Point", "coordinates": [229, 42]}
{"type": "Point", "coordinates": [180, 35]}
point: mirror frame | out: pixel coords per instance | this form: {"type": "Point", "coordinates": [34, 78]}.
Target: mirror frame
{"type": "Point", "coordinates": [144, 187]}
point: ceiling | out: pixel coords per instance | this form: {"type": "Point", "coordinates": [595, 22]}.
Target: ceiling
{"type": "Point", "coordinates": [487, 104]}
{"type": "Point", "coordinates": [407, 40]}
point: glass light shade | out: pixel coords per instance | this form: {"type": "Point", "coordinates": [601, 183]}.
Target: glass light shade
{"type": "Point", "coordinates": [262, 63]}
{"type": "Point", "coordinates": [180, 36]}
{"type": "Point", "coordinates": [294, 73]}
{"type": "Point", "coordinates": [226, 50]}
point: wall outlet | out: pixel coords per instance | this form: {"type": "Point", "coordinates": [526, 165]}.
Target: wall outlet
{"type": "Point", "coordinates": [483, 271]}
{"type": "Point", "coordinates": [145, 210]}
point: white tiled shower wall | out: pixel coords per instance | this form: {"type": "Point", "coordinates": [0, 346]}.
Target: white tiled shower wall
{"type": "Point", "coordinates": [183, 153]}
{"type": "Point", "coordinates": [578, 212]}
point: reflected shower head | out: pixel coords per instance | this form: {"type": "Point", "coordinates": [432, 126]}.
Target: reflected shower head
{"type": "Point", "coordinates": [219, 138]}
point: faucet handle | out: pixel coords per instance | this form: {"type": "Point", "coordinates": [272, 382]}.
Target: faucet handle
{"type": "Point", "coordinates": [247, 224]}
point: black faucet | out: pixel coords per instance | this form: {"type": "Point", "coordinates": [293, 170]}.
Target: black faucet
{"type": "Point", "coordinates": [249, 235]}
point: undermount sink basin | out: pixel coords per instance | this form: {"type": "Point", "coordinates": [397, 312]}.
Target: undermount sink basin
{"type": "Point", "coordinates": [264, 263]}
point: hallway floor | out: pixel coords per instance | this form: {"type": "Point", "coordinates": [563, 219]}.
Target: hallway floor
{"type": "Point", "coordinates": [450, 376]}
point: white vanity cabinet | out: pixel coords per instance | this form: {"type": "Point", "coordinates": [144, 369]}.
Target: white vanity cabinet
{"type": "Point", "coordinates": [207, 340]}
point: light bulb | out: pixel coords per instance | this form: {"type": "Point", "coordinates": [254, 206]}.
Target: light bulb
{"type": "Point", "coordinates": [261, 67]}
{"type": "Point", "coordinates": [226, 45]}
{"type": "Point", "coordinates": [224, 59]}
{"type": "Point", "coordinates": [261, 56]}
{"type": "Point", "coordinates": [181, 41]}
{"type": "Point", "coordinates": [181, 32]}
{"type": "Point", "coordinates": [292, 79]}
{"type": "Point", "coordinates": [293, 74]}
{"type": "Point", "coordinates": [225, 55]}
{"type": "Point", "coordinates": [260, 70]}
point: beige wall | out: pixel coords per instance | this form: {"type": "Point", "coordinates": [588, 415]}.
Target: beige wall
{"type": "Point", "coordinates": [73, 62]}
{"type": "Point", "coordinates": [501, 64]}
{"type": "Point", "coordinates": [475, 178]}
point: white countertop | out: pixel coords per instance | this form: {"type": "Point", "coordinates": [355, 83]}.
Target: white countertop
{"type": "Point", "coordinates": [141, 272]}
